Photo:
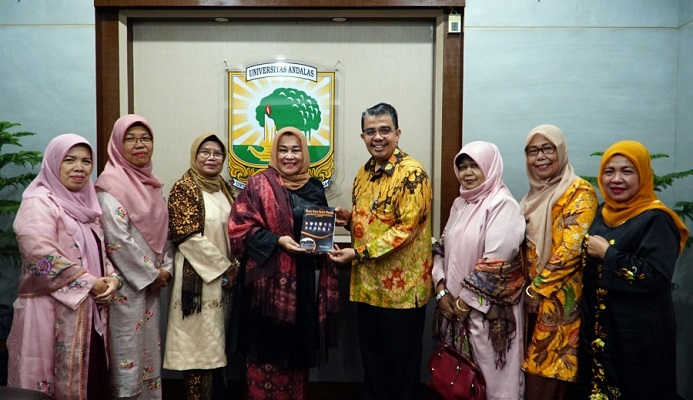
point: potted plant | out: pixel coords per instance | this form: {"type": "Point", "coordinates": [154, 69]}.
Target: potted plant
{"type": "Point", "coordinates": [9, 251]}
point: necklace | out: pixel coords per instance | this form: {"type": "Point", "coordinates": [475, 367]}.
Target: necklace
{"type": "Point", "coordinates": [458, 216]}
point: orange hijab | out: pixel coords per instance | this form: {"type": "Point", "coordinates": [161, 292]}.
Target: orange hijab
{"type": "Point", "coordinates": [616, 213]}
{"type": "Point", "coordinates": [296, 181]}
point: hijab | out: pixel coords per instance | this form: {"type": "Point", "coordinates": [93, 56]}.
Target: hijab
{"type": "Point", "coordinates": [80, 208]}
{"type": "Point", "coordinates": [543, 195]}
{"type": "Point", "coordinates": [296, 181]}
{"type": "Point", "coordinates": [207, 183]}
{"type": "Point", "coordinates": [467, 224]}
{"type": "Point", "coordinates": [136, 188]}
{"type": "Point", "coordinates": [615, 213]}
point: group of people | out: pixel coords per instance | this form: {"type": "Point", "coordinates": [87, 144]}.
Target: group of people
{"type": "Point", "coordinates": [595, 319]}
{"type": "Point", "coordinates": [554, 297]}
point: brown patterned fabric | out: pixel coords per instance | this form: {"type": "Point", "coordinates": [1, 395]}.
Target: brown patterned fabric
{"type": "Point", "coordinates": [198, 384]}
{"type": "Point", "coordinates": [266, 203]}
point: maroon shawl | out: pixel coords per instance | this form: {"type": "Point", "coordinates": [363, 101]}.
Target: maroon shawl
{"type": "Point", "coordinates": [265, 203]}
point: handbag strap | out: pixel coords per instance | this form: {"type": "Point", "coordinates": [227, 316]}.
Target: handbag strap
{"type": "Point", "coordinates": [452, 327]}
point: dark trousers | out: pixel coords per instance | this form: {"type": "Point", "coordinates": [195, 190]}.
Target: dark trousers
{"type": "Point", "coordinates": [391, 341]}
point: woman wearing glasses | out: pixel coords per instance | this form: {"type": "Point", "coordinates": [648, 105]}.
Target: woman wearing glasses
{"type": "Point", "coordinates": [558, 210]}
{"type": "Point", "coordinates": [135, 225]}
{"type": "Point", "coordinates": [204, 271]}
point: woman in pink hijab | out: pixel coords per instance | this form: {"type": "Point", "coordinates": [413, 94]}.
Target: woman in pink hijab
{"type": "Point", "coordinates": [135, 225]}
{"type": "Point", "coordinates": [478, 277]}
{"type": "Point", "coordinates": [57, 343]}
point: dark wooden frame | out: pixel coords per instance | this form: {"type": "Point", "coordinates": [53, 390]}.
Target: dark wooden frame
{"type": "Point", "coordinates": [108, 72]}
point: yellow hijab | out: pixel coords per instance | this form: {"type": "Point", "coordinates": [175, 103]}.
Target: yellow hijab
{"type": "Point", "coordinates": [615, 213]}
{"type": "Point", "coordinates": [295, 181]}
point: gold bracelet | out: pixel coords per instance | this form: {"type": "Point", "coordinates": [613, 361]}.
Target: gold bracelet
{"type": "Point", "coordinates": [457, 304]}
{"type": "Point", "coordinates": [528, 294]}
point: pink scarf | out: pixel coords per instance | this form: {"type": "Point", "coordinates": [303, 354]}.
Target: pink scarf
{"type": "Point", "coordinates": [78, 211]}
{"type": "Point", "coordinates": [80, 208]}
{"type": "Point", "coordinates": [136, 188]}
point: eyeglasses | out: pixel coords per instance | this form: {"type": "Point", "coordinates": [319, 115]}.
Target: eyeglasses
{"type": "Point", "coordinates": [206, 154]}
{"type": "Point", "coordinates": [132, 140]}
{"type": "Point", "coordinates": [534, 151]}
{"type": "Point", "coordinates": [384, 131]}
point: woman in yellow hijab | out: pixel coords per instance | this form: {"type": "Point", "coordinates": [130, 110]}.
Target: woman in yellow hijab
{"type": "Point", "coordinates": [628, 332]}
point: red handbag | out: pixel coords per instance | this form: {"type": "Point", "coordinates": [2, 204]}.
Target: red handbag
{"type": "Point", "coordinates": [454, 376]}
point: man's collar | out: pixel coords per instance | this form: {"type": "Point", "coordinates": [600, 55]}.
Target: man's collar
{"type": "Point", "coordinates": [389, 167]}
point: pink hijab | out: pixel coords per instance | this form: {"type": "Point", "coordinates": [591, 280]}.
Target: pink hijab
{"type": "Point", "coordinates": [136, 188]}
{"type": "Point", "coordinates": [80, 208]}
{"type": "Point", "coordinates": [466, 227]}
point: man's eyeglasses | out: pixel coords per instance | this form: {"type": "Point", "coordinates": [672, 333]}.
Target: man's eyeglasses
{"type": "Point", "coordinates": [534, 151]}
{"type": "Point", "coordinates": [132, 140]}
{"type": "Point", "coordinates": [383, 131]}
{"type": "Point", "coordinates": [206, 154]}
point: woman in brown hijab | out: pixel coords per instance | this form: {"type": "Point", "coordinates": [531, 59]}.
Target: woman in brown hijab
{"type": "Point", "coordinates": [284, 323]}
{"type": "Point", "coordinates": [199, 306]}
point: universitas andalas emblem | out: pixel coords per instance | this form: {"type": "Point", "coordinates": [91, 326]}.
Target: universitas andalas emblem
{"type": "Point", "coordinates": [267, 97]}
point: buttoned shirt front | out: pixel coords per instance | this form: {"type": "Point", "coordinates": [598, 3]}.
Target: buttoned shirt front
{"type": "Point", "coordinates": [391, 234]}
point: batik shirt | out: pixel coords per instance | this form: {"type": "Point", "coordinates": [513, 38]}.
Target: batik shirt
{"type": "Point", "coordinates": [553, 346]}
{"type": "Point", "coordinates": [391, 234]}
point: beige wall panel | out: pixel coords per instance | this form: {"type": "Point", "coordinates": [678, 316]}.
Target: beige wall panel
{"type": "Point", "coordinates": [180, 82]}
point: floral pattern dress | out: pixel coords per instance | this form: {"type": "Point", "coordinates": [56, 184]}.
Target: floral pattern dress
{"type": "Point", "coordinates": [135, 312]}
{"type": "Point", "coordinates": [553, 345]}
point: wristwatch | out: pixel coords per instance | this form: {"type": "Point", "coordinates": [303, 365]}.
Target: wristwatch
{"type": "Point", "coordinates": [441, 294]}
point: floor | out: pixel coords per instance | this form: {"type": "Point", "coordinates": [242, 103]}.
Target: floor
{"type": "Point", "coordinates": [173, 390]}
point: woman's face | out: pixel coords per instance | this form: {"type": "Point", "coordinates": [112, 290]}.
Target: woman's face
{"type": "Point", "coordinates": [76, 167]}
{"type": "Point", "coordinates": [620, 179]}
{"type": "Point", "coordinates": [210, 159]}
{"type": "Point", "coordinates": [289, 154]}
{"type": "Point", "coordinates": [542, 158]}
{"type": "Point", "coordinates": [138, 145]}
{"type": "Point", "coordinates": [469, 175]}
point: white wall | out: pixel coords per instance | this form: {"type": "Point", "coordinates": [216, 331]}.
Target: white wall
{"type": "Point", "coordinates": [683, 296]}
{"type": "Point", "coordinates": [602, 72]}
{"type": "Point", "coordinates": [47, 80]}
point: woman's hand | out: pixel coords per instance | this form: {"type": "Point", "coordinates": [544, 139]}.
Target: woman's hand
{"type": "Point", "coordinates": [159, 282]}
{"type": "Point", "coordinates": [111, 287]}
{"type": "Point", "coordinates": [342, 256]}
{"type": "Point", "coordinates": [531, 300]}
{"type": "Point", "coordinates": [231, 274]}
{"type": "Point", "coordinates": [343, 217]}
{"type": "Point", "coordinates": [461, 309]}
{"type": "Point", "coordinates": [596, 246]}
{"type": "Point", "coordinates": [446, 305]}
{"type": "Point", "coordinates": [289, 244]}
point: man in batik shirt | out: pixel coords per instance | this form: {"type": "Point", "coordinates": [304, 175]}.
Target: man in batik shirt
{"type": "Point", "coordinates": [391, 258]}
